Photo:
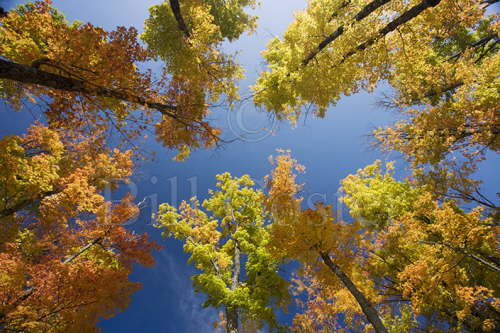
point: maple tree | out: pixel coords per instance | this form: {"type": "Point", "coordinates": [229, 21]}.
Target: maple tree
{"type": "Point", "coordinates": [440, 58]}
{"type": "Point", "coordinates": [227, 241]}
{"type": "Point", "coordinates": [188, 35]}
{"type": "Point", "coordinates": [329, 251]}
{"type": "Point", "coordinates": [64, 251]}
{"type": "Point", "coordinates": [405, 256]}
{"type": "Point", "coordinates": [438, 257]}
{"type": "Point", "coordinates": [91, 80]}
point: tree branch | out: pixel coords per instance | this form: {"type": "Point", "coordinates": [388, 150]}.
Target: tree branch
{"type": "Point", "coordinates": [404, 18]}
{"type": "Point", "coordinates": [490, 2]}
{"type": "Point", "coordinates": [464, 252]}
{"type": "Point", "coordinates": [21, 205]}
{"type": "Point", "coordinates": [31, 75]}
{"type": "Point", "coordinates": [367, 10]}
{"type": "Point", "coordinates": [483, 41]}
{"type": "Point", "coordinates": [176, 9]}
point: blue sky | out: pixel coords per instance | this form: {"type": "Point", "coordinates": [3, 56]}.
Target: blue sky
{"type": "Point", "coordinates": [330, 148]}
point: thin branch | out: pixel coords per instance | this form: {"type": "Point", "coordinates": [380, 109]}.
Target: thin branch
{"type": "Point", "coordinates": [481, 42]}
{"type": "Point", "coordinates": [82, 250]}
{"type": "Point", "coordinates": [464, 252]}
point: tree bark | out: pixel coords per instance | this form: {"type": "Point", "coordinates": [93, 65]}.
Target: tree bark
{"type": "Point", "coordinates": [22, 205]}
{"type": "Point", "coordinates": [368, 309]}
{"type": "Point", "coordinates": [404, 18]}
{"type": "Point", "coordinates": [176, 9]}
{"type": "Point", "coordinates": [490, 2]}
{"type": "Point", "coordinates": [31, 75]}
{"type": "Point", "coordinates": [367, 10]}
{"type": "Point", "coordinates": [232, 319]}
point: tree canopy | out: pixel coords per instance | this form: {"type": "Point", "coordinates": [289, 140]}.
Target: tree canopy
{"type": "Point", "coordinates": [419, 250]}
{"type": "Point", "coordinates": [228, 244]}
{"type": "Point", "coordinates": [64, 251]}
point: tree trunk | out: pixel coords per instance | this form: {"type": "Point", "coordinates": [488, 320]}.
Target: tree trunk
{"type": "Point", "coordinates": [32, 75]}
{"type": "Point", "coordinates": [368, 309]}
{"type": "Point", "coordinates": [232, 320]}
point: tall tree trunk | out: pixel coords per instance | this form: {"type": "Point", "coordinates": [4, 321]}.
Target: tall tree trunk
{"type": "Point", "coordinates": [232, 320]}
{"type": "Point", "coordinates": [368, 309]}
{"type": "Point", "coordinates": [32, 75]}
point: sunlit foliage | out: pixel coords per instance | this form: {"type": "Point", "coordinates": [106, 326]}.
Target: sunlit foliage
{"type": "Point", "coordinates": [64, 251]}
{"type": "Point", "coordinates": [227, 238]}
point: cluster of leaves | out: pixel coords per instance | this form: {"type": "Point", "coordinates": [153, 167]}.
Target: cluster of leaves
{"type": "Point", "coordinates": [409, 255]}
{"type": "Point", "coordinates": [228, 242]}
{"type": "Point", "coordinates": [375, 198]}
{"type": "Point", "coordinates": [110, 92]}
{"type": "Point", "coordinates": [439, 57]}
{"type": "Point", "coordinates": [64, 251]}
{"type": "Point", "coordinates": [188, 37]}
